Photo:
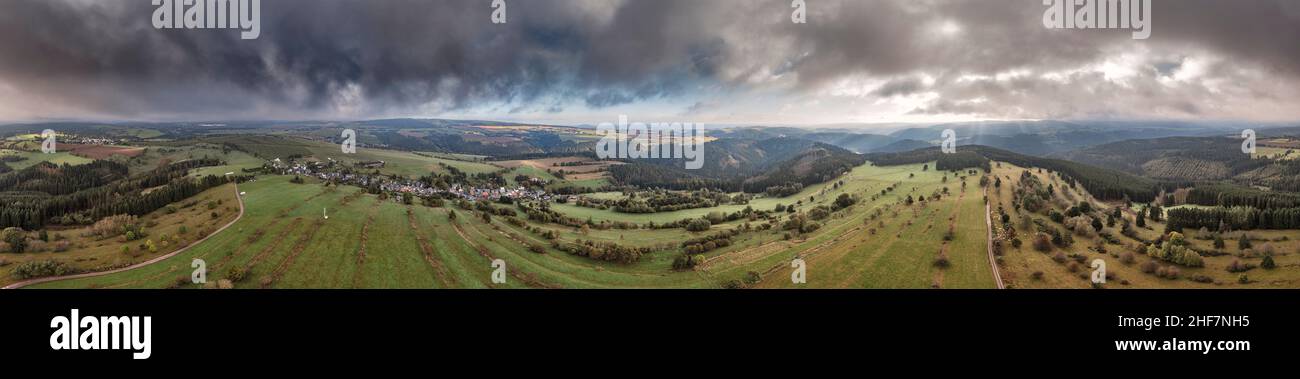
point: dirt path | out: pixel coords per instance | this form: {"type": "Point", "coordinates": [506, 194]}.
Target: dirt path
{"type": "Point", "coordinates": [988, 229]}
{"type": "Point", "coordinates": [139, 265]}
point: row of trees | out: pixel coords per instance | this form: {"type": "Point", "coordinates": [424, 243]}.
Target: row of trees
{"type": "Point", "coordinates": [1230, 196]}
{"type": "Point", "coordinates": [604, 251]}
{"type": "Point", "coordinates": [1238, 217]}
{"type": "Point", "coordinates": [664, 201]}
{"type": "Point", "coordinates": [962, 160]}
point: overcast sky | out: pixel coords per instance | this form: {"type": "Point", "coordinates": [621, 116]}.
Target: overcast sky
{"type": "Point", "coordinates": [714, 61]}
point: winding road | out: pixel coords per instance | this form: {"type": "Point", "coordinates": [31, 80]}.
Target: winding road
{"type": "Point", "coordinates": [138, 265]}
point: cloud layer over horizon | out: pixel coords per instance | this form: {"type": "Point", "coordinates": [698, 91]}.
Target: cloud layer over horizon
{"type": "Point", "coordinates": [713, 61]}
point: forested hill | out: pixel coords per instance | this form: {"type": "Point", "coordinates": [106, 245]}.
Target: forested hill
{"type": "Point", "coordinates": [1101, 182]}
{"type": "Point", "coordinates": [1193, 159]}
{"type": "Point", "coordinates": [45, 193]}
{"type": "Point", "coordinates": [744, 165]}
{"type": "Point", "coordinates": [1179, 158]}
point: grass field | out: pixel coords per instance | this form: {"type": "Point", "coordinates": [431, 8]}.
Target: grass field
{"type": "Point", "coordinates": [902, 251]}
{"type": "Point", "coordinates": [284, 242]}
{"type": "Point", "coordinates": [1275, 152]}
{"type": "Point", "coordinates": [33, 158]}
{"type": "Point", "coordinates": [154, 155]}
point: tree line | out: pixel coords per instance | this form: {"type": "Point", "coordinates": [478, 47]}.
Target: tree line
{"type": "Point", "coordinates": [1236, 217]}
{"type": "Point", "coordinates": [1231, 196]}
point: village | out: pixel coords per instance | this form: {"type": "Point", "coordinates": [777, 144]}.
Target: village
{"type": "Point", "coordinates": [326, 171]}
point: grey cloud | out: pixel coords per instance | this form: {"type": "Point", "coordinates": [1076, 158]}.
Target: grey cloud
{"type": "Point", "coordinates": [354, 58]}
{"type": "Point", "coordinates": [900, 87]}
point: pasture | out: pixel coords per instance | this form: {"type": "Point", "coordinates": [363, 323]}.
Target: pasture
{"type": "Point", "coordinates": [284, 241]}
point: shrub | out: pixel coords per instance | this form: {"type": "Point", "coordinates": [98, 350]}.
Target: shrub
{"type": "Point", "coordinates": [683, 262]}
{"type": "Point", "coordinates": [1239, 266]}
{"type": "Point", "coordinates": [1042, 242]}
{"type": "Point", "coordinates": [236, 274]}
{"type": "Point", "coordinates": [16, 238]}
{"type": "Point", "coordinates": [178, 282]}
{"type": "Point", "coordinates": [1059, 257]}
{"type": "Point", "coordinates": [698, 225]}
{"type": "Point", "coordinates": [1149, 267]}
{"type": "Point", "coordinates": [1243, 279]}
{"type": "Point", "coordinates": [1037, 275]}
{"type": "Point", "coordinates": [36, 269]}
{"type": "Point", "coordinates": [942, 260]}
{"type": "Point", "coordinates": [1127, 258]}
{"type": "Point", "coordinates": [1267, 264]}
{"type": "Point", "coordinates": [818, 213]}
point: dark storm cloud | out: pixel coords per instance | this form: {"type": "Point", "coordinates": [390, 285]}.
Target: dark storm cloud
{"type": "Point", "coordinates": [334, 58]}
{"type": "Point", "coordinates": [325, 55]}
